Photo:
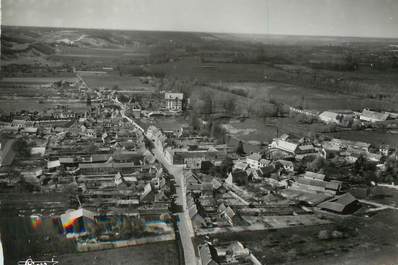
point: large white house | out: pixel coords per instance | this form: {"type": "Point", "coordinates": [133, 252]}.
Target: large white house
{"type": "Point", "coordinates": [343, 118]}
{"type": "Point", "coordinates": [174, 101]}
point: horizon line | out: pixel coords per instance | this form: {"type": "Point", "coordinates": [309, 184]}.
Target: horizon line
{"type": "Point", "coordinates": [205, 32]}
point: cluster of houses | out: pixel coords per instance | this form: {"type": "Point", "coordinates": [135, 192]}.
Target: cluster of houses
{"type": "Point", "coordinates": [172, 103]}
{"type": "Point", "coordinates": [99, 160]}
{"type": "Point", "coordinates": [217, 201]}
{"type": "Point", "coordinates": [346, 118]}
{"type": "Point", "coordinates": [225, 253]}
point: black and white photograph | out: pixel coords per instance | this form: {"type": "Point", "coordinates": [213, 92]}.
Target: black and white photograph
{"type": "Point", "coordinates": [199, 132]}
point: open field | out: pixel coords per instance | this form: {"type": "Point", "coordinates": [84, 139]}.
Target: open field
{"type": "Point", "coordinates": [164, 253]}
{"type": "Point", "coordinates": [309, 98]}
{"type": "Point", "coordinates": [256, 131]}
{"type": "Point", "coordinates": [36, 80]}
{"type": "Point", "coordinates": [12, 105]}
{"type": "Point", "coordinates": [35, 93]}
{"type": "Point", "coordinates": [245, 61]}
{"type": "Point", "coordinates": [373, 137]}
{"type": "Point", "coordinates": [253, 131]}
{"type": "Point", "coordinates": [101, 52]}
{"type": "Point", "coordinates": [109, 80]}
{"type": "Point", "coordinates": [31, 86]}
{"type": "Point", "coordinates": [375, 244]}
{"type": "Point", "coordinates": [192, 68]}
{"type": "Point", "coordinates": [372, 241]}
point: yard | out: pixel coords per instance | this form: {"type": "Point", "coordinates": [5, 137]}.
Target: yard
{"type": "Point", "coordinates": [164, 253]}
{"type": "Point", "coordinates": [369, 241]}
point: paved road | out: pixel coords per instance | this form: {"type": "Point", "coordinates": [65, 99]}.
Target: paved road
{"type": "Point", "coordinates": [123, 113]}
{"type": "Point", "coordinates": [185, 224]}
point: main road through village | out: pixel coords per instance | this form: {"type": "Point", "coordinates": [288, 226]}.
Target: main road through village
{"type": "Point", "coordinates": [184, 225]}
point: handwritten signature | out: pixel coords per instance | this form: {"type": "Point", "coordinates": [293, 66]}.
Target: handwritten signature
{"type": "Point", "coordinates": [38, 262]}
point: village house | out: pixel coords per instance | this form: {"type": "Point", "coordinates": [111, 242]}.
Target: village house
{"type": "Point", "coordinates": [7, 153]}
{"type": "Point", "coordinates": [193, 159]}
{"type": "Point", "coordinates": [284, 145]}
{"type": "Point", "coordinates": [207, 254]}
{"type": "Point", "coordinates": [227, 213]}
{"type": "Point", "coordinates": [29, 131]}
{"type": "Point", "coordinates": [240, 164]}
{"type": "Point", "coordinates": [22, 123]}
{"type": "Point", "coordinates": [342, 118]}
{"type": "Point", "coordinates": [194, 214]}
{"type": "Point", "coordinates": [290, 148]}
{"type": "Point", "coordinates": [174, 101]}
{"type": "Point", "coordinates": [288, 166]}
{"type": "Point", "coordinates": [256, 161]}
{"type": "Point", "coordinates": [53, 165]}
{"type": "Point", "coordinates": [32, 176]}
{"type": "Point", "coordinates": [384, 149]}
{"type": "Point", "coordinates": [226, 253]}
{"type": "Point", "coordinates": [315, 182]}
{"type": "Point", "coordinates": [108, 168]}
{"type": "Point", "coordinates": [342, 204]}
{"type": "Point", "coordinates": [314, 176]}
{"type": "Point", "coordinates": [305, 150]}
{"type": "Point", "coordinates": [373, 116]}
{"type": "Point", "coordinates": [354, 147]}
{"type": "Point", "coordinates": [155, 134]}
{"type": "Point", "coordinates": [254, 174]}
{"type": "Point", "coordinates": [392, 115]}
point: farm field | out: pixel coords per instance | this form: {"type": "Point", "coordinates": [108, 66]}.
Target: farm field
{"type": "Point", "coordinates": [307, 97]}
{"type": "Point", "coordinates": [31, 86]}
{"type": "Point", "coordinates": [12, 105]}
{"type": "Point", "coordinates": [193, 68]}
{"type": "Point", "coordinates": [267, 129]}
{"type": "Point", "coordinates": [101, 52]}
{"type": "Point", "coordinates": [109, 80]}
{"type": "Point", "coordinates": [36, 80]}
{"type": "Point", "coordinates": [253, 132]}
{"type": "Point", "coordinates": [374, 137]}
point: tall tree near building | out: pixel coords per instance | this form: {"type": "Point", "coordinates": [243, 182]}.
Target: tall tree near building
{"type": "Point", "coordinates": [240, 150]}
{"type": "Point", "coordinates": [207, 107]}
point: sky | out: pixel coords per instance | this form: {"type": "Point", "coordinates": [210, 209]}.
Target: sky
{"type": "Point", "coordinates": [363, 18]}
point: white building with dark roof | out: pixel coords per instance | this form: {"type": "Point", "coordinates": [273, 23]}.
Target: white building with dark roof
{"type": "Point", "coordinates": [373, 116]}
{"type": "Point", "coordinates": [284, 145]}
{"type": "Point", "coordinates": [343, 118]}
{"type": "Point", "coordinates": [174, 101]}
{"type": "Point", "coordinates": [343, 204]}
